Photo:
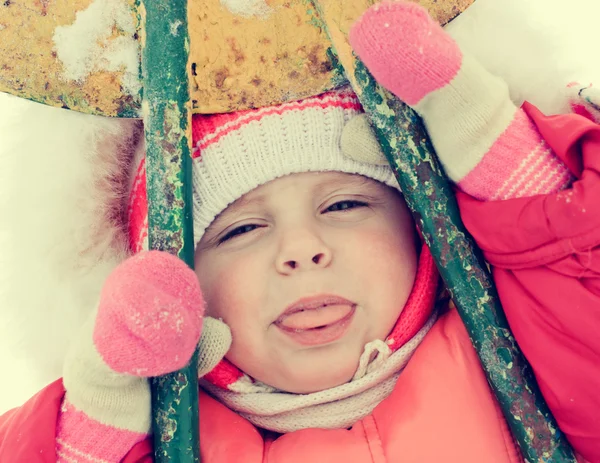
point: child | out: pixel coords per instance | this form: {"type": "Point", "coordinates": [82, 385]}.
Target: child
{"type": "Point", "coordinates": [305, 249]}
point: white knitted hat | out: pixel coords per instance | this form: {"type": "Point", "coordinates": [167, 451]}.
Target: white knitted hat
{"type": "Point", "coordinates": [237, 152]}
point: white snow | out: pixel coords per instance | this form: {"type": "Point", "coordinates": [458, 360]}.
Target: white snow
{"type": "Point", "coordinates": [248, 8]}
{"type": "Point", "coordinates": [87, 45]}
{"type": "Point", "coordinates": [537, 46]}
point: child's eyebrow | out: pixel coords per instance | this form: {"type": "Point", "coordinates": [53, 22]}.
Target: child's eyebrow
{"type": "Point", "coordinates": [345, 181]}
{"type": "Point", "coordinates": [244, 201]}
{"type": "Point", "coordinates": [241, 203]}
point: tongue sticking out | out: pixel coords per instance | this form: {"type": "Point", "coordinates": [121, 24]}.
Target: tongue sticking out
{"type": "Point", "coordinates": [314, 318]}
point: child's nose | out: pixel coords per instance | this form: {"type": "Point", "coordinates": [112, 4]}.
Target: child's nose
{"type": "Point", "coordinates": [302, 251]}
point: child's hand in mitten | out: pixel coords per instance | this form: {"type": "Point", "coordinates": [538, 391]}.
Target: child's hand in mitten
{"type": "Point", "coordinates": [486, 144]}
{"type": "Point", "coordinates": [148, 323]}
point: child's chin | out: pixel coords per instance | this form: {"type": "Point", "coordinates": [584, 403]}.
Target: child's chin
{"type": "Point", "coordinates": [312, 388]}
{"type": "Point", "coordinates": [319, 380]}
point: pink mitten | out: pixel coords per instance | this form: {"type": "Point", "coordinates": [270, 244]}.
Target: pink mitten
{"type": "Point", "coordinates": [487, 145]}
{"type": "Point", "coordinates": [148, 323]}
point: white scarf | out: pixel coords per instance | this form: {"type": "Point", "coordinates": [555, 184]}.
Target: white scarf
{"type": "Point", "coordinates": [338, 407]}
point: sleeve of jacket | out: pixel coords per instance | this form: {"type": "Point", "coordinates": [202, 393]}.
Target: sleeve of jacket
{"type": "Point", "coordinates": [545, 257]}
{"type": "Point", "coordinates": [28, 433]}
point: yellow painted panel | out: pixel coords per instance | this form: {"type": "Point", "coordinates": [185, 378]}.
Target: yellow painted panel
{"type": "Point", "coordinates": [278, 55]}
{"type": "Point", "coordinates": [84, 54]}
{"type": "Point", "coordinates": [242, 62]}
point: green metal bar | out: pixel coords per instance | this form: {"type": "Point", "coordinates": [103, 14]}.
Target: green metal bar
{"type": "Point", "coordinates": [166, 110]}
{"type": "Point", "coordinates": [429, 195]}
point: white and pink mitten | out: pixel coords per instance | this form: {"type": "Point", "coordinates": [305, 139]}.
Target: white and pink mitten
{"type": "Point", "coordinates": [487, 145]}
{"type": "Point", "coordinates": [148, 323]}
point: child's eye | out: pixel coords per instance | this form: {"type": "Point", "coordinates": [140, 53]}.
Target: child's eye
{"type": "Point", "coordinates": [345, 205]}
{"type": "Point", "coordinates": [238, 231]}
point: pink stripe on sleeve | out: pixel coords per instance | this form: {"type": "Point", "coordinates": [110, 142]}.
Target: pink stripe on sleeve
{"type": "Point", "coordinates": [518, 164]}
{"type": "Point", "coordinates": [80, 438]}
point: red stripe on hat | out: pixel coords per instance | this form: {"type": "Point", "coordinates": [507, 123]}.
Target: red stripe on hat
{"type": "Point", "coordinates": [207, 130]}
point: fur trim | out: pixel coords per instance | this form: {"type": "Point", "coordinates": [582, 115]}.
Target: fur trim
{"type": "Point", "coordinates": [63, 181]}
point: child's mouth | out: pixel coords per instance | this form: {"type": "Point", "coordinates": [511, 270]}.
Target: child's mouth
{"type": "Point", "coordinates": [317, 325]}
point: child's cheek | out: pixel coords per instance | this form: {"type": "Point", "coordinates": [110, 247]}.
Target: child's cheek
{"type": "Point", "coordinates": [382, 246]}
{"type": "Point", "coordinates": [232, 290]}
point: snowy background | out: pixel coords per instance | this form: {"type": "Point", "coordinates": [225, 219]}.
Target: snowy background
{"type": "Point", "coordinates": [538, 46]}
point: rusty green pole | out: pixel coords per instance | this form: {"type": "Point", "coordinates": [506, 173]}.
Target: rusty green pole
{"type": "Point", "coordinates": [167, 115]}
{"type": "Point", "coordinates": [428, 194]}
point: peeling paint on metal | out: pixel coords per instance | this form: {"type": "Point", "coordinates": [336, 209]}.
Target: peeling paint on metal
{"type": "Point", "coordinates": [174, 27]}
{"type": "Point", "coordinates": [141, 11]}
{"type": "Point", "coordinates": [167, 113]}
{"type": "Point", "coordinates": [168, 201]}
{"type": "Point", "coordinates": [167, 425]}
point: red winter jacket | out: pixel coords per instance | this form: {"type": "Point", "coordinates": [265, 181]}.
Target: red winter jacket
{"type": "Point", "coordinates": [545, 253]}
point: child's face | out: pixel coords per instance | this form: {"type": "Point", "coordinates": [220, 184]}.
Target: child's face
{"type": "Point", "coordinates": [340, 246]}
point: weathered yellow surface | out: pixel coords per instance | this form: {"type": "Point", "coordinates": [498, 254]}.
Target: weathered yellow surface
{"type": "Point", "coordinates": [242, 62]}
{"type": "Point", "coordinates": [29, 66]}
{"type": "Point", "coordinates": [236, 62]}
